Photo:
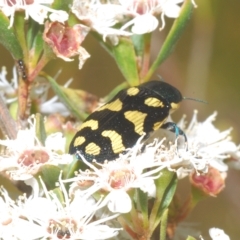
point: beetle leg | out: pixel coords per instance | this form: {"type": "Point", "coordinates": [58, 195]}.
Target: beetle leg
{"type": "Point", "coordinates": [172, 127]}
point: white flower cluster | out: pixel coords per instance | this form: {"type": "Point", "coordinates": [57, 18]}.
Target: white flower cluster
{"type": "Point", "coordinates": [25, 155]}
{"type": "Point", "coordinates": [48, 218]}
{"type": "Point", "coordinates": [207, 146]}
{"type": "Point", "coordinates": [141, 16]}
{"type": "Point", "coordinates": [39, 92]}
{"type": "Point", "coordinates": [218, 234]}
{"type": "Point", "coordinates": [103, 192]}
{"type": "Point", "coordinates": [36, 9]}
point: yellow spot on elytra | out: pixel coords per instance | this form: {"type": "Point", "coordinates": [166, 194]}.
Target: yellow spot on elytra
{"type": "Point", "coordinates": [137, 118]}
{"type": "Point", "coordinates": [79, 140]}
{"type": "Point", "coordinates": [116, 140]}
{"type": "Point", "coordinates": [174, 106]}
{"type": "Point", "coordinates": [153, 102]}
{"type": "Point", "coordinates": [116, 106]}
{"type": "Point", "coordinates": [93, 124]}
{"type": "Point", "coordinates": [157, 125]}
{"type": "Point", "coordinates": [92, 149]}
{"type": "Point", "coordinates": [132, 91]}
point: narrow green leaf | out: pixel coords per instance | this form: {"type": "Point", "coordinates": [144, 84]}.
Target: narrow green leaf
{"type": "Point", "coordinates": [50, 175]}
{"type": "Point", "coordinates": [34, 28]}
{"type": "Point", "coordinates": [166, 187]}
{"type": "Point", "coordinates": [169, 192]}
{"type": "Point", "coordinates": [172, 38]}
{"type": "Point", "coordinates": [126, 59]}
{"type": "Point", "coordinates": [143, 204]}
{"type": "Point", "coordinates": [163, 225]}
{"type": "Point", "coordinates": [191, 238]}
{"type": "Point", "coordinates": [70, 169]}
{"type": "Point", "coordinates": [62, 4]}
{"type": "Point", "coordinates": [13, 109]}
{"type": "Point", "coordinates": [64, 98]}
{"type": "Point", "coordinates": [8, 38]}
{"type": "Point", "coordinates": [197, 195]}
{"type": "Point", "coordinates": [138, 42]}
{"type": "Point", "coordinates": [82, 100]}
{"type": "Point", "coordinates": [58, 192]}
{"type": "Point", "coordinates": [37, 46]}
{"type": "Point", "coordinates": [40, 128]}
{"type": "Point", "coordinates": [19, 28]}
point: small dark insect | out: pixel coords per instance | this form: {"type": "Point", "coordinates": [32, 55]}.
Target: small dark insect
{"type": "Point", "coordinates": [63, 234]}
{"type": "Point", "coordinates": [117, 125]}
{"type": "Point", "coordinates": [22, 69]}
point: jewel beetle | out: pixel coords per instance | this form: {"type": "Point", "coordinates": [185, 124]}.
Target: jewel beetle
{"type": "Point", "coordinates": [116, 126]}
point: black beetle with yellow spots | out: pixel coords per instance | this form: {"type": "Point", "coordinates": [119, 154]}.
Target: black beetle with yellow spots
{"type": "Point", "coordinates": [117, 125]}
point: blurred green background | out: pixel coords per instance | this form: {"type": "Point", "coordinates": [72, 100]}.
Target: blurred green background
{"type": "Point", "coordinates": [204, 65]}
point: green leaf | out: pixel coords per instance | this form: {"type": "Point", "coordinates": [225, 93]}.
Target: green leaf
{"type": "Point", "coordinates": [13, 109]}
{"type": "Point", "coordinates": [8, 38]}
{"type": "Point", "coordinates": [197, 195]}
{"type": "Point", "coordinates": [138, 42]}
{"type": "Point", "coordinates": [40, 129]}
{"type": "Point", "coordinates": [173, 37]}
{"type": "Point", "coordinates": [70, 169]}
{"type": "Point", "coordinates": [166, 186]}
{"type": "Point", "coordinates": [59, 193]}
{"type": "Point", "coordinates": [64, 98]}
{"type": "Point", "coordinates": [82, 100]}
{"type": "Point", "coordinates": [190, 238]}
{"type": "Point", "coordinates": [62, 4]}
{"type": "Point", "coordinates": [126, 59]}
{"type": "Point", "coordinates": [34, 28]}
{"type": "Point", "coordinates": [142, 46]}
{"type": "Point", "coordinates": [143, 204]}
{"type": "Point", "coordinates": [50, 175]}
{"type": "Point", "coordinates": [19, 28]}
{"type": "Point", "coordinates": [37, 48]}
{"type": "Point", "coordinates": [163, 225]}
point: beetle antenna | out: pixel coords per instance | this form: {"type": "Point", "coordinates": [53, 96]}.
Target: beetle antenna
{"type": "Point", "coordinates": [195, 99]}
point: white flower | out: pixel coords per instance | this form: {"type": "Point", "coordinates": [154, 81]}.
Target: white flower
{"type": "Point", "coordinates": [207, 146]}
{"type": "Point", "coordinates": [117, 178]}
{"type": "Point", "coordinates": [100, 17]}
{"type": "Point", "coordinates": [12, 225]}
{"type": "Point", "coordinates": [40, 92]}
{"type": "Point", "coordinates": [8, 90]}
{"type": "Point", "coordinates": [26, 154]}
{"type": "Point", "coordinates": [71, 220]}
{"type": "Point", "coordinates": [145, 13]}
{"type": "Point", "coordinates": [36, 9]}
{"type": "Point", "coordinates": [218, 234]}
{"type": "Point", "coordinates": [49, 217]}
{"type": "Point", "coordinates": [141, 15]}
{"type": "Point", "coordinates": [56, 142]}
{"type": "Point", "coordinates": [52, 106]}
